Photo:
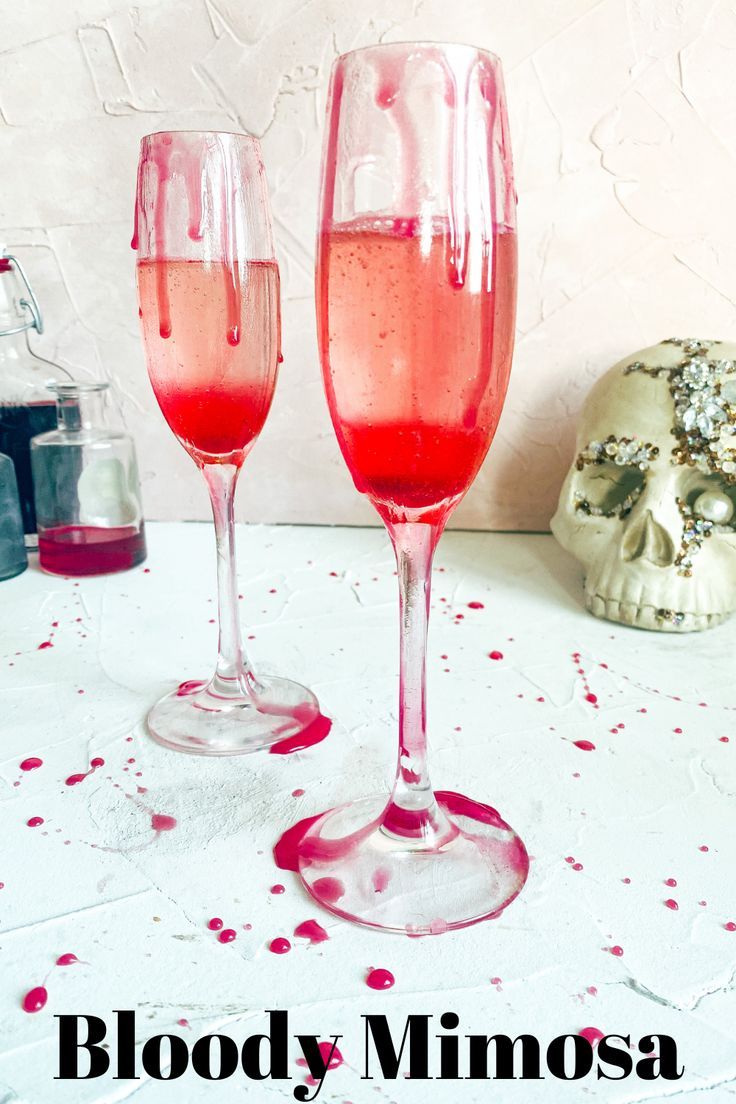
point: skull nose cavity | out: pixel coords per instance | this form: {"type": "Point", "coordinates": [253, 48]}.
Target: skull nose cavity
{"type": "Point", "coordinates": [645, 539]}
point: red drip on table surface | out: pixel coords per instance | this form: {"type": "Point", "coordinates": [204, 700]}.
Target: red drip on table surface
{"type": "Point", "coordinates": [33, 763]}
{"type": "Point", "coordinates": [378, 978]}
{"type": "Point", "coordinates": [279, 945]}
{"type": "Point", "coordinates": [75, 779]}
{"type": "Point", "coordinates": [314, 733]}
{"type": "Point", "coordinates": [286, 849]}
{"type": "Point", "coordinates": [35, 999]}
{"type": "Point", "coordinates": [311, 930]}
{"type": "Point", "coordinates": [331, 1056]}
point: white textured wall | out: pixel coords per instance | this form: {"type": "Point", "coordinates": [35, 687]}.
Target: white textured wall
{"type": "Point", "coordinates": [624, 130]}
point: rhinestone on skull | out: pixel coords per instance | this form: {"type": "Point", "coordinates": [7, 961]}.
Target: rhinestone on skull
{"type": "Point", "coordinates": [624, 452]}
{"type": "Point", "coordinates": [704, 394]}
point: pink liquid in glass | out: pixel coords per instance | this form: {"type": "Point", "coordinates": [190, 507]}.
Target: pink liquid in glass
{"type": "Point", "coordinates": [211, 334]}
{"type": "Point", "coordinates": [416, 362]}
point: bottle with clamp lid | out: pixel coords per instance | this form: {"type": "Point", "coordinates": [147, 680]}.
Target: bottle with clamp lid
{"type": "Point", "coordinates": [26, 407]}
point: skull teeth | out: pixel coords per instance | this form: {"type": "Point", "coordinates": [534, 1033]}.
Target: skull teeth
{"type": "Point", "coordinates": [645, 616]}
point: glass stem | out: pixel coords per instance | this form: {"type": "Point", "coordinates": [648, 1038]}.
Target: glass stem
{"type": "Point", "coordinates": [413, 811]}
{"type": "Point", "coordinates": [234, 676]}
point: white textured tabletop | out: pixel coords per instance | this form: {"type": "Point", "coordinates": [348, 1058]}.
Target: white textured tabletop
{"type": "Point", "coordinates": [628, 920]}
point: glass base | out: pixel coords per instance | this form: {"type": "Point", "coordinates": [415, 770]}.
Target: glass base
{"type": "Point", "coordinates": [352, 865]}
{"type": "Point", "coordinates": [197, 719]}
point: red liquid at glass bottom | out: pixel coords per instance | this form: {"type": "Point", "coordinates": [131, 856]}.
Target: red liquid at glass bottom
{"type": "Point", "coordinates": [90, 550]}
{"type": "Point", "coordinates": [414, 470]}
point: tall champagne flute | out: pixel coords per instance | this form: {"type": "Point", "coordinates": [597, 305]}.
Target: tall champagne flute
{"type": "Point", "coordinates": [416, 290]}
{"type": "Point", "coordinates": [208, 289]}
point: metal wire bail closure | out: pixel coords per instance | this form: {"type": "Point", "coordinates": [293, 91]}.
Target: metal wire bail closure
{"type": "Point", "coordinates": [30, 304]}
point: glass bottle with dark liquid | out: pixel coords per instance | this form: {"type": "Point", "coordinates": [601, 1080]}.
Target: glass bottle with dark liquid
{"type": "Point", "coordinates": [26, 407]}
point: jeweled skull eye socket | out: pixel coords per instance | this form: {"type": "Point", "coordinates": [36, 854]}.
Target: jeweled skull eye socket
{"type": "Point", "coordinates": [712, 498]}
{"type": "Point", "coordinates": [609, 489]}
{"type": "Point", "coordinates": [612, 475]}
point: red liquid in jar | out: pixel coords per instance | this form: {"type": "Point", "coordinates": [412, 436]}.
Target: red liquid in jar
{"type": "Point", "coordinates": [416, 361]}
{"type": "Point", "coordinates": [90, 550]}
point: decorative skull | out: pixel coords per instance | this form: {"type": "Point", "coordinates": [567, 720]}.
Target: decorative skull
{"type": "Point", "coordinates": [649, 505]}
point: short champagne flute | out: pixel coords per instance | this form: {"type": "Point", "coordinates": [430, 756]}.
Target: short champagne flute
{"type": "Point", "coordinates": [208, 290]}
{"type": "Point", "coordinates": [416, 292]}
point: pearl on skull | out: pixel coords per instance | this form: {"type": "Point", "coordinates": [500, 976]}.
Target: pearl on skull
{"type": "Point", "coordinates": [714, 506]}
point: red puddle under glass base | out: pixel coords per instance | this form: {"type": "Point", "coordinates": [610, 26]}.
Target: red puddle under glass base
{"type": "Point", "coordinates": [353, 865]}
{"type": "Point", "coordinates": [221, 718]}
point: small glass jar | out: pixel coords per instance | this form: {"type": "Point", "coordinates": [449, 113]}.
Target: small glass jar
{"type": "Point", "coordinates": [85, 478]}
{"type": "Point", "coordinates": [13, 555]}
